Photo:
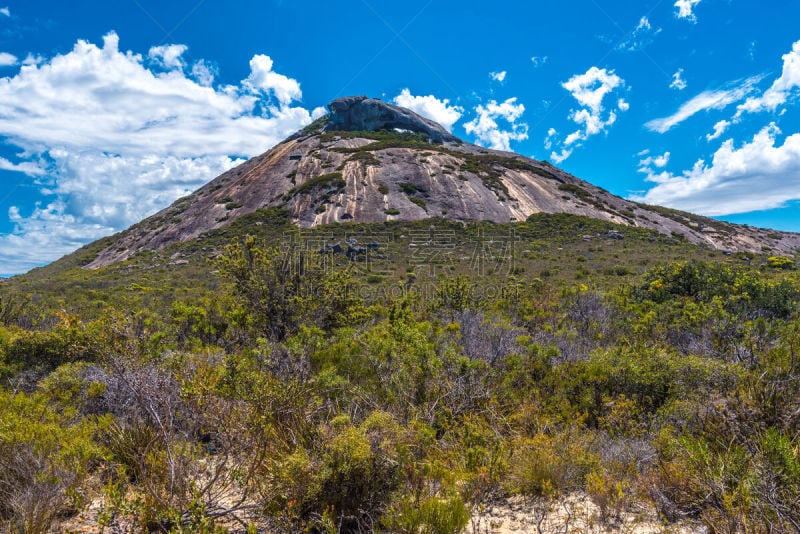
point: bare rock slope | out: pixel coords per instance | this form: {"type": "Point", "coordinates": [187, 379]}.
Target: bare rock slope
{"type": "Point", "coordinates": [369, 161]}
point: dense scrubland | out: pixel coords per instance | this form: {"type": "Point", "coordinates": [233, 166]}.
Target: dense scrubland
{"type": "Point", "coordinates": [257, 388]}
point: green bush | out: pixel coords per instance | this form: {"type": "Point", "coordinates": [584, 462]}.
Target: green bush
{"type": "Point", "coordinates": [45, 459]}
{"type": "Point", "coordinates": [348, 477]}
{"type": "Point", "coordinates": [432, 515]}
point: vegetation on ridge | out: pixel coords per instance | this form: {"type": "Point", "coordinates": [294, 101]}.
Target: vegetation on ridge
{"type": "Point", "coordinates": [264, 385]}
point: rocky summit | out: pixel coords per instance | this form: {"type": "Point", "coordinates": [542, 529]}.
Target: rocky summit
{"type": "Point", "coordinates": [369, 161]}
{"type": "Point", "coordinates": [359, 113]}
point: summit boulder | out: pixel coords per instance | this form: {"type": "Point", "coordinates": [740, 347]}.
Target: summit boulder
{"type": "Point", "coordinates": [359, 113]}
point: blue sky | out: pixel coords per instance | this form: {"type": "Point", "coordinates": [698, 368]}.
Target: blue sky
{"type": "Point", "coordinates": [111, 110]}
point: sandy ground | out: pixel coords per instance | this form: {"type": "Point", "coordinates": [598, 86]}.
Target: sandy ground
{"type": "Point", "coordinates": [575, 514]}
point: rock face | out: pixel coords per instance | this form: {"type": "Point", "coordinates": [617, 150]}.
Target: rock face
{"type": "Point", "coordinates": [333, 173]}
{"type": "Point", "coordinates": [359, 113]}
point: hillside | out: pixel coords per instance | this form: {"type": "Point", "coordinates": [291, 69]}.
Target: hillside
{"type": "Point", "coordinates": [355, 166]}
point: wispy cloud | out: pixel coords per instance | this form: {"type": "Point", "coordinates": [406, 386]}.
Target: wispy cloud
{"type": "Point", "coordinates": [26, 167]}
{"type": "Point", "coordinates": [641, 36]}
{"type": "Point", "coordinates": [8, 60]}
{"type": "Point", "coordinates": [719, 128]}
{"type": "Point", "coordinates": [538, 61]}
{"type": "Point", "coordinates": [498, 76]}
{"type": "Point", "coordinates": [714, 99]}
{"type": "Point", "coordinates": [781, 88]}
{"type": "Point", "coordinates": [658, 162]}
{"type": "Point", "coordinates": [677, 81]}
{"type": "Point", "coordinates": [5, 11]}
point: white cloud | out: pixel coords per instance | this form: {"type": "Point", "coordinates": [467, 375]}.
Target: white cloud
{"type": "Point", "coordinates": [431, 108]}
{"type": "Point", "coordinates": [204, 72]}
{"type": "Point", "coordinates": [31, 59]}
{"type": "Point", "coordinates": [119, 141]}
{"type": "Point", "coordinates": [658, 162]}
{"type": "Point", "coordinates": [262, 78]}
{"type": "Point", "coordinates": [538, 61]}
{"type": "Point", "coordinates": [715, 99]}
{"type": "Point", "coordinates": [552, 134]}
{"type": "Point", "coordinates": [753, 177]}
{"type": "Point", "coordinates": [781, 88]}
{"type": "Point", "coordinates": [719, 128]}
{"type": "Point", "coordinates": [641, 36]}
{"type": "Point", "coordinates": [559, 157]}
{"type": "Point", "coordinates": [686, 9]}
{"type": "Point", "coordinates": [5, 11]}
{"type": "Point", "coordinates": [489, 133]}
{"type": "Point", "coordinates": [168, 56]}
{"type": "Point", "coordinates": [318, 112]}
{"type": "Point", "coordinates": [498, 76]}
{"type": "Point", "coordinates": [677, 81]}
{"type": "Point", "coordinates": [27, 167]}
{"type": "Point", "coordinates": [7, 60]}
{"type": "Point", "coordinates": [589, 89]}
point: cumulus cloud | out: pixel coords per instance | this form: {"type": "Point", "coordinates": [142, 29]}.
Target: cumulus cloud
{"type": "Point", "coordinates": [111, 140]}
{"type": "Point", "coordinates": [489, 132]}
{"type": "Point", "coordinates": [677, 81]}
{"type": "Point", "coordinates": [431, 108]}
{"type": "Point", "coordinates": [713, 99]}
{"type": "Point", "coordinates": [204, 72]}
{"type": "Point", "coordinates": [719, 128]}
{"type": "Point", "coordinates": [262, 78]}
{"type": "Point", "coordinates": [8, 60]}
{"type": "Point", "coordinates": [781, 89]}
{"type": "Point", "coordinates": [686, 9]}
{"type": "Point", "coordinates": [32, 59]}
{"type": "Point", "coordinates": [738, 180]}
{"type": "Point", "coordinates": [498, 76]}
{"type": "Point", "coordinates": [5, 11]}
{"type": "Point", "coordinates": [589, 89]}
{"type": "Point", "coordinates": [168, 56]}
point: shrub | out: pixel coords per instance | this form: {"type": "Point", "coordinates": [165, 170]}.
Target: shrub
{"type": "Point", "coordinates": [45, 456]}
{"type": "Point", "coordinates": [331, 180]}
{"type": "Point", "coordinates": [576, 190]}
{"type": "Point", "coordinates": [546, 465]}
{"type": "Point", "coordinates": [346, 478]}
{"type": "Point", "coordinates": [780, 262]}
{"type": "Point", "coordinates": [418, 201]}
{"type": "Point", "coordinates": [432, 515]}
{"type": "Point", "coordinates": [407, 188]}
{"type": "Point", "coordinates": [280, 290]}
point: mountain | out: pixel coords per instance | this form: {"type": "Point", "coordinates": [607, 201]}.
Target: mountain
{"type": "Point", "coordinates": [369, 161]}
